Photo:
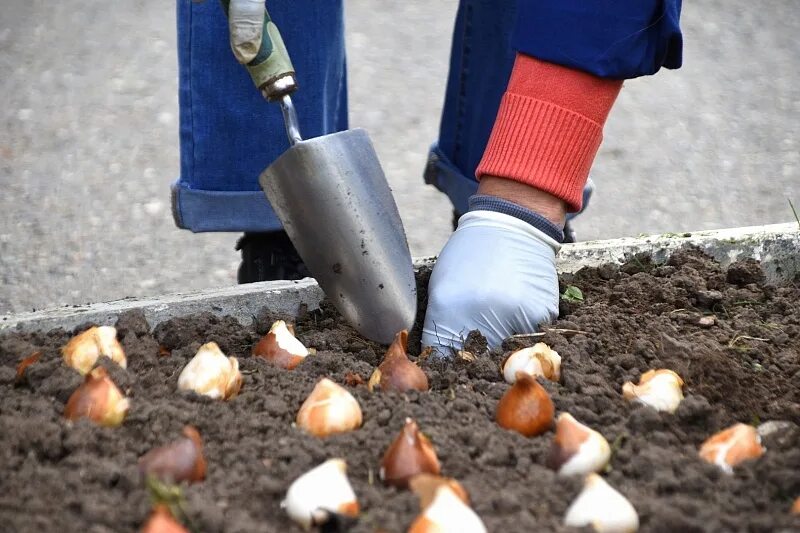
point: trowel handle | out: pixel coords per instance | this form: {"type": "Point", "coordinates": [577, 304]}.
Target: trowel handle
{"type": "Point", "coordinates": [271, 69]}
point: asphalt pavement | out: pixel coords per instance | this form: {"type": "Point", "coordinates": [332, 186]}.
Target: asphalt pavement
{"type": "Point", "coordinates": [88, 143]}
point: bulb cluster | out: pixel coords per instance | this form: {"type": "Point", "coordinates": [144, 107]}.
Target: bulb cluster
{"type": "Point", "coordinates": [410, 461]}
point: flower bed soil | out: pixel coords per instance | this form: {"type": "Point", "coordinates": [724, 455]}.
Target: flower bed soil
{"type": "Point", "coordinates": [61, 476]}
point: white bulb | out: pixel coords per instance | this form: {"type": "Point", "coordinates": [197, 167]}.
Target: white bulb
{"type": "Point", "coordinates": [83, 350]}
{"type": "Point", "coordinates": [287, 341]}
{"type": "Point", "coordinates": [591, 455]}
{"type": "Point", "coordinates": [447, 513]}
{"type": "Point", "coordinates": [603, 508]}
{"type": "Point", "coordinates": [660, 389]}
{"type": "Point", "coordinates": [211, 373]}
{"type": "Point", "coordinates": [538, 360]}
{"type": "Point", "coordinates": [320, 491]}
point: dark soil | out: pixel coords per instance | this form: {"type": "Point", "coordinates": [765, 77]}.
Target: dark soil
{"type": "Point", "coordinates": [60, 476]}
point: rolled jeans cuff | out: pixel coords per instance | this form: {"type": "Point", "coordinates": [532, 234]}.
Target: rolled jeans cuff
{"type": "Point", "coordinates": [443, 174]}
{"type": "Point", "coordinates": [234, 211]}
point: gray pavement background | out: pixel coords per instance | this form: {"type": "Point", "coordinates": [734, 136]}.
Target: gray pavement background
{"type": "Point", "coordinates": [88, 138]}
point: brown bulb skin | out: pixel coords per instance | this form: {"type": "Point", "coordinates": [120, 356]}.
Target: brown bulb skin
{"type": "Point", "coordinates": [732, 446]}
{"type": "Point", "coordinates": [97, 399]}
{"type": "Point", "coordinates": [267, 348]}
{"type": "Point", "coordinates": [397, 373]}
{"type": "Point", "coordinates": [162, 521]}
{"type": "Point", "coordinates": [526, 407]}
{"type": "Point", "coordinates": [23, 365]}
{"type": "Point", "coordinates": [410, 454]}
{"type": "Point", "coordinates": [569, 437]}
{"type": "Point", "coordinates": [178, 461]}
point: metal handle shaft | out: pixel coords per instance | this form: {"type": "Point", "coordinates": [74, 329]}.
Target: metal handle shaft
{"type": "Point", "coordinates": [290, 120]}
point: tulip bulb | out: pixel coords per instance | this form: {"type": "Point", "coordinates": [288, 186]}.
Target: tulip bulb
{"type": "Point", "coordinates": [329, 409]}
{"type": "Point", "coordinates": [211, 373]}
{"type": "Point", "coordinates": [396, 372]}
{"type": "Point", "coordinates": [732, 446]}
{"type": "Point", "coordinates": [23, 365]}
{"type": "Point", "coordinates": [321, 492]}
{"type": "Point", "coordinates": [601, 507]}
{"type": "Point", "coordinates": [410, 454]}
{"type": "Point", "coordinates": [83, 350]}
{"type": "Point", "coordinates": [97, 399]}
{"type": "Point", "coordinates": [280, 347]}
{"type": "Point", "coordinates": [538, 360]}
{"type": "Point", "coordinates": [577, 449]}
{"type": "Point", "coordinates": [178, 461]}
{"type": "Point", "coordinates": [425, 486]}
{"type": "Point", "coordinates": [660, 389]}
{"type": "Point", "coordinates": [162, 521]}
{"type": "Point", "coordinates": [796, 506]}
{"type": "Point", "coordinates": [526, 407]}
{"type": "Point", "coordinates": [447, 512]}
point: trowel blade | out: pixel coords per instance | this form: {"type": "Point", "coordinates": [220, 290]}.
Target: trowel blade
{"type": "Point", "coordinates": [335, 204]}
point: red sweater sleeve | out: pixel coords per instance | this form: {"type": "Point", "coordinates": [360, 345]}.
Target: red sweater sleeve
{"type": "Point", "coordinates": [548, 128]}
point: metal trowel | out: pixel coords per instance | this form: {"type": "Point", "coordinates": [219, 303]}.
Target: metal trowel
{"type": "Point", "coordinates": [335, 204]}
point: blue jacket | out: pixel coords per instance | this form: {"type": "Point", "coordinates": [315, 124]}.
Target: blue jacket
{"type": "Point", "coordinates": [617, 39]}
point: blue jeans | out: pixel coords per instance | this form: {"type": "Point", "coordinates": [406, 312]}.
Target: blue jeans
{"type": "Point", "coordinates": [229, 134]}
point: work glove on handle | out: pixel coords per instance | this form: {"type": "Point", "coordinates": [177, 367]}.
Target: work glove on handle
{"type": "Point", "coordinates": [496, 274]}
{"type": "Point", "coordinates": [246, 27]}
{"type": "Point", "coordinates": [257, 44]}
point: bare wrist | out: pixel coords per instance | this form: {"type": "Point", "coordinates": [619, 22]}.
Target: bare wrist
{"type": "Point", "coordinates": [551, 207]}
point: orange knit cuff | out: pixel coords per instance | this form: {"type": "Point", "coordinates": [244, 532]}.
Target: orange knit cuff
{"type": "Point", "coordinates": [548, 128]}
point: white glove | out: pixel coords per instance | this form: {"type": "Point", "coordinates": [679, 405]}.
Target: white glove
{"type": "Point", "coordinates": [496, 274]}
{"type": "Point", "coordinates": [245, 25]}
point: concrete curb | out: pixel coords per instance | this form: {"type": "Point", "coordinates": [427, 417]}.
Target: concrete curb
{"type": "Point", "coordinates": [240, 301]}
{"type": "Point", "coordinates": [776, 246]}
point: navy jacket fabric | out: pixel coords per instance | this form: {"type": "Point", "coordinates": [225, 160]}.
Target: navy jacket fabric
{"type": "Point", "coordinates": [618, 39]}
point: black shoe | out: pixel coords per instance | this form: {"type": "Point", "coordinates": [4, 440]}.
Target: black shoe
{"type": "Point", "coordinates": [569, 233]}
{"type": "Point", "coordinates": [268, 257]}
{"type": "Point", "coordinates": [456, 216]}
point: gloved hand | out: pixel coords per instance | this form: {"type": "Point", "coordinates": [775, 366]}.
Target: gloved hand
{"type": "Point", "coordinates": [496, 274]}
{"type": "Point", "coordinates": [245, 25]}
